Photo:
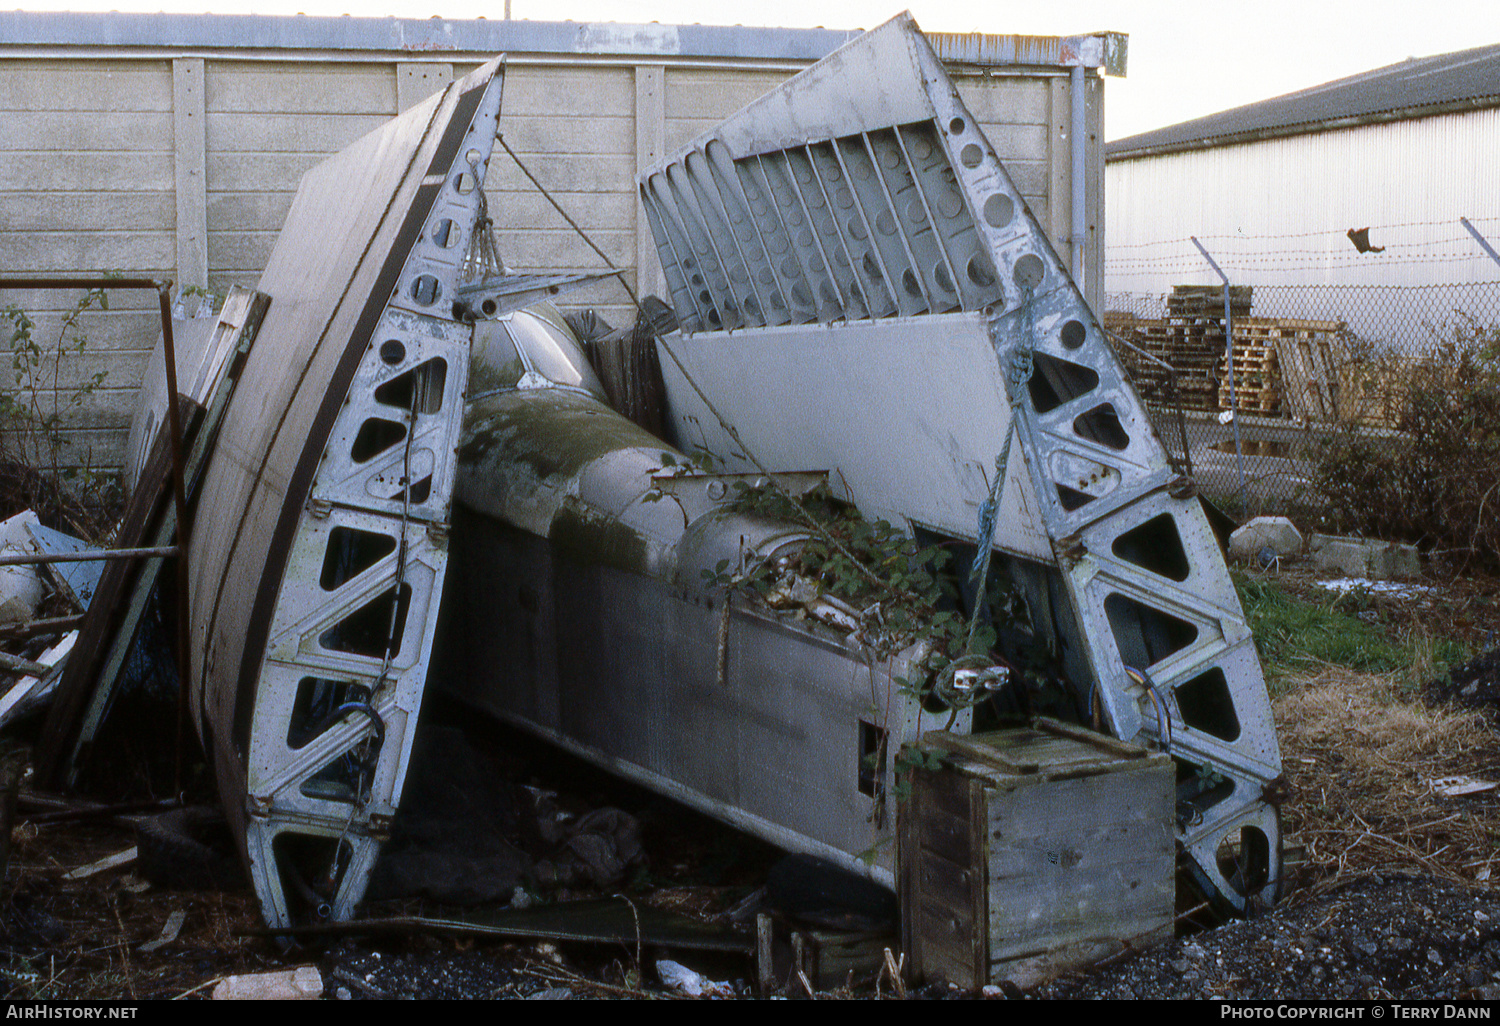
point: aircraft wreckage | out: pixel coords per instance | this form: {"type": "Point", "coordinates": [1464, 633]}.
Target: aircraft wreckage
{"type": "Point", "coordinates": [872, 330]}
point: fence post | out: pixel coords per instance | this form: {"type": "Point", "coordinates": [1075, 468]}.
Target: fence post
{"type": "Point", "coordinates": [1234, 403]}
{"type": "Point", "coordinates": [1480, 239]}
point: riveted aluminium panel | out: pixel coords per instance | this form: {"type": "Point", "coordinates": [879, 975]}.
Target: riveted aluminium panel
{"type": "Point", "coordinates": [321, 542]}
{"type": "Point", "coordinates": [900, 453]}
{"type": "Point", "coordinates": [863, 191]}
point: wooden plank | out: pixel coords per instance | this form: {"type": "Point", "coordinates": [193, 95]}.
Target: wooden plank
{"type": "Point", "coordinates": [1309, 371]}
{"type": "Point", "coordinates": [150, 518]}
{"type": "Point", "coordinates": [1080, 859]}
{"type": "Point", "coordinates": [116, 861]}
{"type": "Point", "coordinates": [114, 604]}
{"type": "Point", "coordinates": [978, 750]}
{"type": "Point", "coordinates": [1114, 746]}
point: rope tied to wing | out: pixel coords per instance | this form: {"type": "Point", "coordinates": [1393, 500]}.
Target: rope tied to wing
{"type": "Point", "coordinates": [1021, 367]}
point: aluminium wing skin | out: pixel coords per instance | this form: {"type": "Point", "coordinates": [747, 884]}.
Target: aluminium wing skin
{"type": "Point", "coordinates": [862, 199]}
{"type": "Point", "coordinates": [320, 544]}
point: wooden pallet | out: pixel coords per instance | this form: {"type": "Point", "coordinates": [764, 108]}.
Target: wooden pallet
{"type": "Point", "coordinates": [1310, 371]}
{"type": "Point", "coordinates": [1262, 400]}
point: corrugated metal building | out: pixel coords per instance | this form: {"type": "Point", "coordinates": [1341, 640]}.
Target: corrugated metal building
{"type": "Point", "coordinates": [1273, 188]}
{"type": "Point", "coordinates": [171, 145]}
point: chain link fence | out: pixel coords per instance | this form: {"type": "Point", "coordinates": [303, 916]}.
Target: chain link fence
{"type": "Point", "coordinates": [1352, 402]}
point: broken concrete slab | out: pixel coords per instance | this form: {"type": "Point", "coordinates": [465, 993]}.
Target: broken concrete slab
{"type": "Point", "coordinates": [1364, 557]}
{"type": "Point", "coordinates": [1275, 533]}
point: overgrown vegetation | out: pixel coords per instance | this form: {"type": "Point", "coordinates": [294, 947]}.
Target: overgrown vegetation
{"type": "Point", "coordinates": [1297, 637]}
{"type": "Point", "coordinates": [35, 408]}
{"type": "Point", "coordinates": [1438, 483]}
{"type": "Point", "coordinates": [899, 590]}
{"type": "Point", "coordinates": [868, 565]}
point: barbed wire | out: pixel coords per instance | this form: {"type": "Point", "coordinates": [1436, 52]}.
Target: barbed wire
{"type": "Point", "coordinates": [1335, 232]}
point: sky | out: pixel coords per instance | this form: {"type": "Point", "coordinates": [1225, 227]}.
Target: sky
{"type": "Point", "coordinates": [1186, 59]}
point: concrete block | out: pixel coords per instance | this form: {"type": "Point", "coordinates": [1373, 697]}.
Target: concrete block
{"type": "Point", "coordinates": [1274, 533]}
{"type": "Point", "coordinates": [304, 982]}
{"type": "Point", "coordinates": [1362, 557]}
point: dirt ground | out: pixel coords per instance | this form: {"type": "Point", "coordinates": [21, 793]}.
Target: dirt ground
{"type": "Point", "coordinates": [1391, 840]}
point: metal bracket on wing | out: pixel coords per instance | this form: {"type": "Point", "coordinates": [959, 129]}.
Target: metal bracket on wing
{"type": "Point", "coordinates": [498, 295]}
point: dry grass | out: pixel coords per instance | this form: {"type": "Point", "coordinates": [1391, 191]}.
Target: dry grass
{"type": "Point", "coordinates": [1361, 755]}
{"type": "Point", "coordinates": [103, 920]}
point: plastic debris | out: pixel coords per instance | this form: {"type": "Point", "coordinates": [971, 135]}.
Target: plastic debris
{"type": "Point", "coordinates": [302, 983]}
{"type": "Point", "coordinates": [30, 691]}
{"type": "Point", "coordinates": [680, 977]}
{"type": "Point", "coordinates": [1454, 787]}
{"type": "Point", "coordinates": [169, 932]}
{"type": "Point", "coordinates": [1345, 584]}
{"type": "Point", "coordinates": [115, 861]}
{"type": "Point", "coordinates": [20, 586]}
{"type": "Point", "coordinates": [79, 580]}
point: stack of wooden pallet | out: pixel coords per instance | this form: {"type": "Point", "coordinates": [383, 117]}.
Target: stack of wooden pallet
{"type": "Point", "coordinates": [1256, 379]}
{"type": "Point", "coordinates": [1286, 367]}
{"type": "Point", "coordinates": [1190, 340]}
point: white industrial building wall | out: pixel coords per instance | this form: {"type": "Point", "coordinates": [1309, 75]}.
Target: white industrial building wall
{"type": "Point", "coordinates": [1276, 212]}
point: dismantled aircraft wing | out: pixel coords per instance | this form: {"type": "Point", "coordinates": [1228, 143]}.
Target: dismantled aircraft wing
{"type": "Point", "coordinates": [320, 542]}
{"type": "Point", "coordinates": [863, 290]}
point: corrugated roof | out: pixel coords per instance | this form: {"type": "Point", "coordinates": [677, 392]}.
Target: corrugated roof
{"type": "Point", "coordinates": [1417, 87]}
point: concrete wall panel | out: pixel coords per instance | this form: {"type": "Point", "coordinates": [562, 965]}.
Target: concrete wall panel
{"type": "Point", "coordinates": [102, 166]}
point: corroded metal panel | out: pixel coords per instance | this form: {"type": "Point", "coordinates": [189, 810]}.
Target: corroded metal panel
{"type": "Point", "coordinates": [321, 542]}
{"type": "Point", "coordinates": [862, 194]}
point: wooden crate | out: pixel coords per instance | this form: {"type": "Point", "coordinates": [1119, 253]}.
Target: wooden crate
{"type": "Point", "coordinates": [1033, 851]}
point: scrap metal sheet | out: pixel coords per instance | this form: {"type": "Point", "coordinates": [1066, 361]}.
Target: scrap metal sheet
{"type": "Point", "coordinates": [362, 282]}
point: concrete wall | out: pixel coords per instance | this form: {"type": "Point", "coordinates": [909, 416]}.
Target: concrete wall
{"type": "Point", "coordinates": [171, 146]}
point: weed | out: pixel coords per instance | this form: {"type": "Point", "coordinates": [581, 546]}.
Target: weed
{"type": "Point", "coordinates": [905, 591]}
{"type": "Point", "coordinates": [1295, 637]}
{"type": "Point", "coordinates": [1437, 484]}
{"type": "Point", "coordinates": [34, 413]}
